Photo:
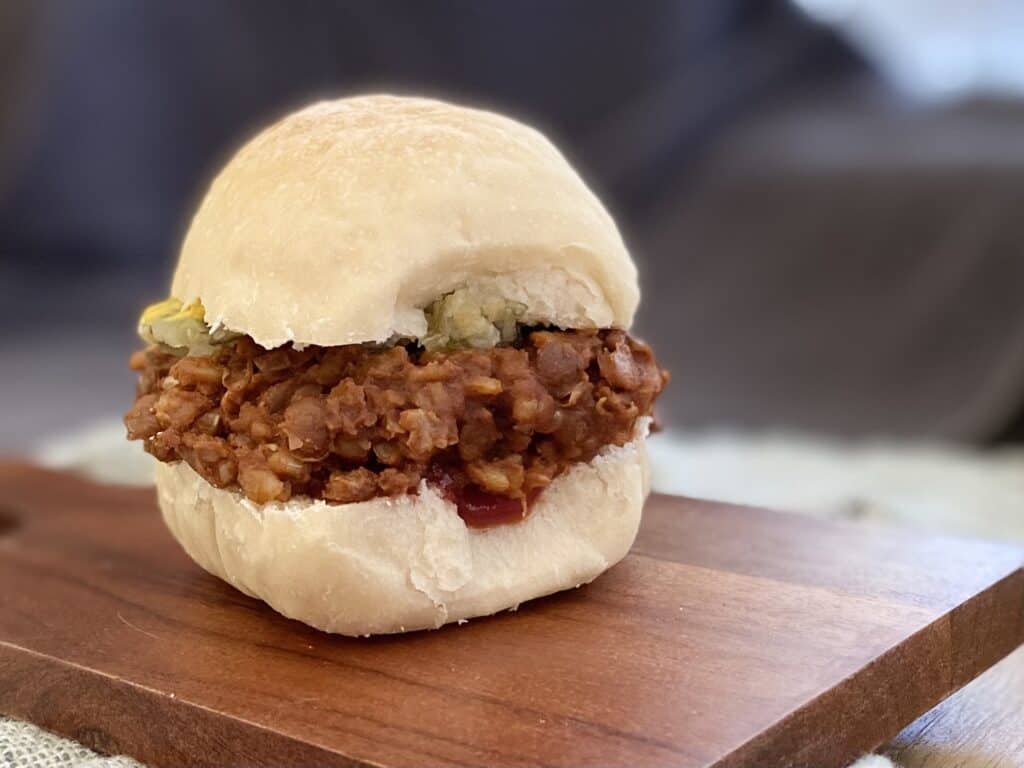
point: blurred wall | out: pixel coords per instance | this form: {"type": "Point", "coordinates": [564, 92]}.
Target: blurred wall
{"type": "Point", "coordinates": [136, 104]}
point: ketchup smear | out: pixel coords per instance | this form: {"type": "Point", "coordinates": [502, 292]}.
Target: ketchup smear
{"type": "Point", "coordinates": [480, 509]}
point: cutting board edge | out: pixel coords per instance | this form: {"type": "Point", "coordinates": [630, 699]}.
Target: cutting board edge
{"type": "Point", "coordinates": [891, 671]}
{"type": "Point", "coordinates": [37, 688]}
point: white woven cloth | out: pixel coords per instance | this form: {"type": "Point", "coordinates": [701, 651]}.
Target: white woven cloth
{"type": "Point", "coordinates": [25, 746]}
{"type": "Point", "coordinates": [945, 488]}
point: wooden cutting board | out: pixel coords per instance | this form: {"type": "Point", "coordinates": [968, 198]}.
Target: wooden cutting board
{"type": "Point", "coordinates": [729, 637]}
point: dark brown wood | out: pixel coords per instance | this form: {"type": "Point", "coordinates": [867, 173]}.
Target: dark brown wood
{"type": "Point", "coordinates": [729, 637]}
{"type": "Point", "coordinates": [977, 727]}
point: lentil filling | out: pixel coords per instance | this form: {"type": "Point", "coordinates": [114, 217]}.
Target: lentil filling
{"type": "Point", "coordinates": [489, 427]}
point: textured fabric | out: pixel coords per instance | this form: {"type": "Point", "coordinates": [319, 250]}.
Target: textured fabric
{"type": "Point", "coordinates": [929, 486]}
{"type": "Point", "coordinates": [25, 746]}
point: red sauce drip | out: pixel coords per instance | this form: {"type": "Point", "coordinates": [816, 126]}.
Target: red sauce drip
{"type": "Point", "coordinates": [477, 507]}
{"type": "Point", "coordinates": [481, 509]}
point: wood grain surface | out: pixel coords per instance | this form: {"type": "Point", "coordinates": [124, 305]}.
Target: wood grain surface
{"type": "Point", "coordinates": [980, 726]}
{"type": "Point", "coordinates": [729, 637]}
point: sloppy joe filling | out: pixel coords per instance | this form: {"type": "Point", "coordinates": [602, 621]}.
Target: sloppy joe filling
{"type": "Point", "coordinates": [489, 428]}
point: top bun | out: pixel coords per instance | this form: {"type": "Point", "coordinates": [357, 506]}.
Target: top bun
{"type": "Point", "coordinates": [342, 222]}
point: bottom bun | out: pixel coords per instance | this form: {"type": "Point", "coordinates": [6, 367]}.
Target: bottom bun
{"type": "Point", "coordinates": [400, 564]}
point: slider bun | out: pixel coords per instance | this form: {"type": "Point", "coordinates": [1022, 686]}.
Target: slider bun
{"type": "Point", "coordinates": [341, 222]}
{"type": "Point", "coordinates": [393, 565]}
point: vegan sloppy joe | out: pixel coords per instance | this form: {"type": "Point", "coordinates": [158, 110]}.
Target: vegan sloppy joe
{"type": "Point", "coordinates": [394, 386]}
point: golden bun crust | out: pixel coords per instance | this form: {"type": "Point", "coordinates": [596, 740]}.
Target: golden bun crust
{"type": "Point", "coordinates": [395, 565]}
{"type": "Point", "coordinates": [341, 222]}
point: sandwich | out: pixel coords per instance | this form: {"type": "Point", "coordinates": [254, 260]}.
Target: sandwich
{"type": "Point", "coordinates": [393, 386]}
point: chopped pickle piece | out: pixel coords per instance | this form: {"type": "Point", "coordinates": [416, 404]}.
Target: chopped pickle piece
{"type": "Point", "coordinates": [465, 319]}
{"type": "Point", "coordinates": [181, 328]}
{"type": "Point", "coordinates": [457, 320]}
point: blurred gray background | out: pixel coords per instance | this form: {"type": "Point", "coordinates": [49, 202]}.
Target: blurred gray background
{"type": "Point", "coordinates": [826, 214]}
